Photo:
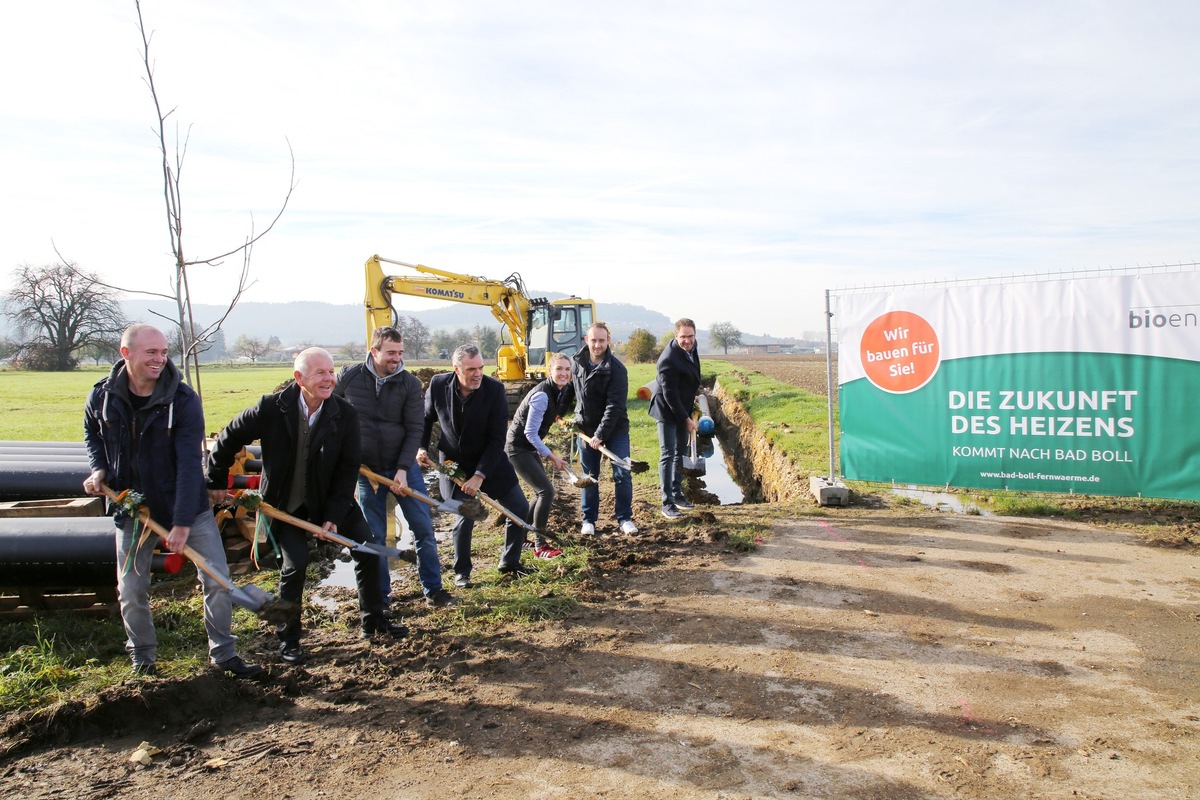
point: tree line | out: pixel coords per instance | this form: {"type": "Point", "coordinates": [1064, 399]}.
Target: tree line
{"type": "Point", "coordinates": [64, 316]}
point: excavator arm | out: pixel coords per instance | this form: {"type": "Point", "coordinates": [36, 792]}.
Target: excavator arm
{"type": "Point", "coordinates": [506, 299]}
{"type": "Point", "coordinates": [536, 326]}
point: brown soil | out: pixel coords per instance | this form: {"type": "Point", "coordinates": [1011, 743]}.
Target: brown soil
{"type": "Point", "coordinates": [854, 654]}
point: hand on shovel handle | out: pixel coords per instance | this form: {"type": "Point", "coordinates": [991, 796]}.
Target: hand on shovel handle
{"type": "Point", "coordinates": [316, 530]}
{"type": "Point", "coordinates": [469, 508]}
{"type": "Point", "coordinates": [261, 602]}
{"type": "Point", "coordinates": [623, 463]}
{"type": "Point", "coordinates": [488, 501]}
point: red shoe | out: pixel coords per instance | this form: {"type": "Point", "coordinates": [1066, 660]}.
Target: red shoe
{"type": "Point", "coordinates": [546, 551]}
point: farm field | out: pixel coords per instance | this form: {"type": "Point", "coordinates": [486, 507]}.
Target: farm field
{"type": "Point", "coordinates": [865, 652]}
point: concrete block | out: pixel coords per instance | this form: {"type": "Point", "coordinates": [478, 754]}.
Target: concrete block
{"type": "Point", "coordinates": [829, 493]}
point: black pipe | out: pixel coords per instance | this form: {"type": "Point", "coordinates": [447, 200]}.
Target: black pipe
{"type": "Point", "coordinates": [17, 450]}
{"type": "Point", "coordinates": [65, 552]}
{"type": "Point", "coordinates": [23, 443]}
{"type": "Point", "coordinates": [45, 455]}
{"type": "Point", "coordinates": [42, 480]}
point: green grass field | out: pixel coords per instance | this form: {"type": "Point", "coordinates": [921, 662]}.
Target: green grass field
{"type": "Point", "coordinates": [48, 406]}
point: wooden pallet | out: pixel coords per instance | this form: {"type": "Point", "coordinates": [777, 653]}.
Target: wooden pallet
{"type": "Point", "coordinates": [100, 601]}
{"type": "Point", "coordinates": [64, 507]}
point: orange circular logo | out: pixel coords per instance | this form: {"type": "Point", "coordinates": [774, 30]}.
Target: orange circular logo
{"type": "Point", "coordinates": [899, 352]}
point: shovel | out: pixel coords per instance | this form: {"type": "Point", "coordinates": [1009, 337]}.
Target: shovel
{"type": "Point", "coordinates": [623, 463]}
{"type": "Point", "coordinates": [381, 550]}
{"type": "Point", "coordinates": [693, 464]}
{"type": "Point", "coordinates": [470, 508]}
{"type": "Point", "coordinates": [579, 481]}
{"type": "Point", "coordinates": [250, 597]}
{"type": "Point", "coordinates": [495, 505]}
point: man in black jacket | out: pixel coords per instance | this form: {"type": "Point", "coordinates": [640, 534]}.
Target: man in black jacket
{"type": "Point", "coordinates": [472, 410]}
{"type": "Point", "coordinates": [671, 405]}
{"type": "Point", "coordinates": [601, 389]}
{"type": "Point", "coordinates": [144, 431]}
{"type": "Point", "coordinates": [311, 453]}
{"type": "Point", "coordinates": [391, 415]}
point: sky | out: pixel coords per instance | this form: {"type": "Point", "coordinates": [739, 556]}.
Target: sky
{"type": "Point", "coordinates": [724, 161]}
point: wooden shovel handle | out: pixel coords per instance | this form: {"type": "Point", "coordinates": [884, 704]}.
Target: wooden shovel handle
{"type": "Point", "coordinates": [200, 561]}
{"type": "Point", "coordinates": [391, 484]}
{"type": "Point", "coordinates": [485, 499]}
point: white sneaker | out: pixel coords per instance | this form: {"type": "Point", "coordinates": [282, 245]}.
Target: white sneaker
{"type": "Point", "coordinates": [627, 527]}
{"type": "Point", "coordinates": [588, 529]}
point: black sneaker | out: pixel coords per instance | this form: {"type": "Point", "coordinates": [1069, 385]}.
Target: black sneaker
{"type": "Point", "coordinates": [683, 505]}
{"type": "Point", "coordinates": [440, 599]}
{"type": "Point", "coordinates": [516, 570]}
{"type": "Point", "coordinates": [146, 670]}
{"type": "Point", "coordinates": [238, 668]}
{"type": "Point", "coordinates": [463, 581]}
{"type": "Point", "coordinates": [384, 629]}
{"type": "Point", "coordinates": [671, 512]}
{"type": "Point", "coordinates": [291, 653]}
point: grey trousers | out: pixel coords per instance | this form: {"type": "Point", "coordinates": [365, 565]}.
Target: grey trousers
{"type": "Point", "coordinates": [133, 588]}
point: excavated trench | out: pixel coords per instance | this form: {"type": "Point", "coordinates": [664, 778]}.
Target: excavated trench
{"type": "Point", "coordinates": [763, 473]}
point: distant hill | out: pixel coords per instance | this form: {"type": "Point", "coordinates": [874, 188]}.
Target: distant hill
{"type": "Point", "coordinates": [334, 325]}
{"type": "Point", "coordinates": [329, 324]}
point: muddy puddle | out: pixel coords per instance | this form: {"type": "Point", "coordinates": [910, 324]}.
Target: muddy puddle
{"type": "Point", "coordinates": [941, 501]}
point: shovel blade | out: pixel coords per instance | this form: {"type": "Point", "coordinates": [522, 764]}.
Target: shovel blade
{"type": "Point", "coordinates": [250, 597]}
{"type": "Point", "coordinates": [374, 549]}
{"type": "Point", "coordinates": [694, 466]}
{"type": "Point", "coordinates": [472, 511]}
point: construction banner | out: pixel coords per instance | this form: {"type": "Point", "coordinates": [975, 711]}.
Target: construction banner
{"type": "Point", "coordinates": [1083, 385]}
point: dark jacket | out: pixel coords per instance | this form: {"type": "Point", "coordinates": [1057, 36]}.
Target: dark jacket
{"type": "Point", "coordinates": [334, 453]}
{"type": "Point", "coordinates": [560, 401]}
{"type": "Point", "coordinates": [473, 433]}
{"type": "Point", "coordinates": [678, 382]}
{"type": "Point", "coordinates": [600, 394]}
{"type": "Point", "coordinates": [157, 451]}
{"type": "Point", "coordinates": [390, 421]}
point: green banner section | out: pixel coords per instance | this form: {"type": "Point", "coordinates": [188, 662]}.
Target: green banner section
{"type": "Point", "coordinates": [1087, 423]}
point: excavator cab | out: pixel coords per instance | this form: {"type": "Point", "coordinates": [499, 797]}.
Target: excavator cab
{"type": "Point", "coordinates": [558, 327]}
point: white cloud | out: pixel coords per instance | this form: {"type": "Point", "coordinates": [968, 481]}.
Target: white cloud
{"type": "Point", "coordinates": [721, 160]}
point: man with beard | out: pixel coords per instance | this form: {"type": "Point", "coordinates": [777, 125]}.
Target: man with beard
{"type": "Point", "coordinates": [391, 415]}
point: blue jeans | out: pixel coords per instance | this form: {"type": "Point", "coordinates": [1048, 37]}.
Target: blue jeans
{"type": "Point", "coordinates": [672, 441]}
{"type": "Point", "coordinates": [132, 589]}
{"type": "Point", "coordinates": [416, 514]}
{"type": "Point", "coordinates": [589, 459]}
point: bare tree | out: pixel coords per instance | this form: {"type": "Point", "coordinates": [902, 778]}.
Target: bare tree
{"type": "Point", "coordinates": [193, 336]}
{"type": "Point", "coordinates": [724, 335]}
{"type": "Point", "coordinates": [59, 310]}
{"type": "Point", "coordinates": [254, 347]}
{"type": "Point", "coordinates": [416, 338]}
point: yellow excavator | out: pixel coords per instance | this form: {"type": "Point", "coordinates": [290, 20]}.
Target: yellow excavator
{"type": "Point", "coordinates": [535, 326]}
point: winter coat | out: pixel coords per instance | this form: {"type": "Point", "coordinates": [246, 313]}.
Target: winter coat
{"type": "Point", "coordinates": [600, 394]}
{"type": "Point", "coordinates": [334, 453]}
{"type": "Point", "coordinates": [157, 450]}
{"type": "Point", "coordinates": [472, 437]}
{"type": "Point", "coordinates": [678, 382]}
{"type": "Point", "coordinates": [391, 421]}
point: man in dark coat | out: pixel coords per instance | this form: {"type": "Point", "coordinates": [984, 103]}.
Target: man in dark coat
{"type": "Point", "coordinates": [391, 415]}
{"type": "Point", "coordinates": [472, 410]}
{"type": "Point", "coordinates": [601, 391]}
{"type": "Point", "coordinates": [144, 430]}
{"type": "Point", "coordinates": [678, 381]}
{"type": "Point", "coordinates": [311, 453]}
